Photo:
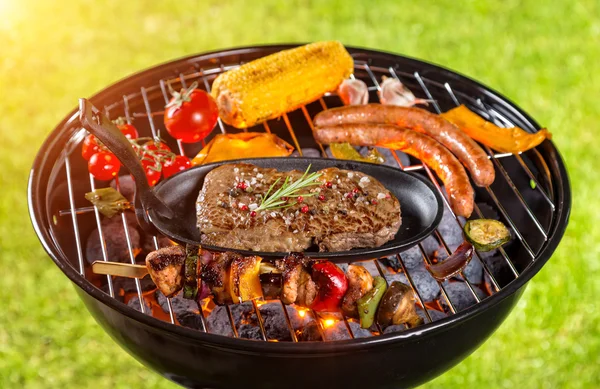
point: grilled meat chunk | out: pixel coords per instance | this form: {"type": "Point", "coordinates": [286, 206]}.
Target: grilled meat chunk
{"type": "Point", "coordinates": [215, 274]}
{"type": "Point", "coordinates": [360, 282]}
{"type": "Point", "coordinates": [347, 210]}
{"type": "Point", "coordinates": [166, 269]}
{"type": "Point", "coordinates": [292, 267]}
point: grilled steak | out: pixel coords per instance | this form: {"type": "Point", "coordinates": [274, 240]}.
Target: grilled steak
{"type": "Point", "coordinates": [347, 210]}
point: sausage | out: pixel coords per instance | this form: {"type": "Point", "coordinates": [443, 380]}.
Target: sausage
{"type": "Point", "coordinates": [420, 146]}
{"type": "Point", "coordinates": [464, 148]}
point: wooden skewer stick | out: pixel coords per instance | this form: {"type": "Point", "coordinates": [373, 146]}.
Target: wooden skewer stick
{"type": "Point", "coordinates": [140, 271]}
{"type": "Point", "coordinates": [119, 269]}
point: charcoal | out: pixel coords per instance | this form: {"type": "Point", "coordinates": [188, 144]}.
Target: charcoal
{"type": "Point", "coordinates": [359, 332]}
{"type": "Point", "coordinates": [394, 328]}
{"type": "Point", "coordinates": [338, 331]}
{"type": "Point", "coordinates": [474, 271]}
{"type": "Point", "coordinates": [391, 261]}
{"type": "Point", "coordinates": [396, 277]}
{"type": "Point", "coordinates": [218, 322]}
{"type": "Point", "coordinates": [488, 211]}
{"type": "Point", "coordinates": [129, 285]}
{"type": "Point", "coordinates": [435, 315]}
{"type": "Point", "coordinates": [426, 285]}
{"type": "Point", "coordinates": [242, 313]}
{"type": "Point", "coordinates": [274, 322]}
{"type": "Point", "coordinates": [126, 186]}
{"type": "Point", "coordinates": [412, 257]}
{"type": "Point", "coordinates": [460, 295]}
{"type": "Point", "coordinates": [116, 242]}
{"type": "Point", "coordinates": [343, 266]}
{"type": "Point", "coordinates": [433, 249]}
{"type": "Point", "coordinates": [180, 305]}
{"type": "Point", "coordinates": [190, 320]}
{"type": "Point", "coordinates": [249, 331]}
{"type": "Point", "coordinates": [297, 320]}
{"type": "Point", "coordinates": [310, 333]}
{"type": "Point", "coordinates": [450, 230]}
{"type": "Point", "coordinates": [134, 302]}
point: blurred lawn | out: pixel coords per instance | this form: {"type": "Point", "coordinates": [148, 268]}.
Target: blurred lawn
{"type": "Point", "coordinates": [544, 56]}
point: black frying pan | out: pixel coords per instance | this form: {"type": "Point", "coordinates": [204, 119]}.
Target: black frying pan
{"type": "Point", "coordinates": [171, 206]}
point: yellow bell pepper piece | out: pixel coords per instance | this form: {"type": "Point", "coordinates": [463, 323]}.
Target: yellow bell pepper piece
{"type": "Point", "coordinates": [224, 147]}
{"type": "Point", "coordinates": [505, 140]}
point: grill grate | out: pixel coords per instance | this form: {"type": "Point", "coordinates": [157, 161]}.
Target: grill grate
{"type": "Point", "coordinates": [369, 74]}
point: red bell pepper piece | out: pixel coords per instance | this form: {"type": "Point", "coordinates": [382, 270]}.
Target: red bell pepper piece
{"type": "Point", "coordinates": [332, 284]}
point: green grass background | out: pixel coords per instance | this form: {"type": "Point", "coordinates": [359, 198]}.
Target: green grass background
{"type": "Point", "coordinates": [542, 55]}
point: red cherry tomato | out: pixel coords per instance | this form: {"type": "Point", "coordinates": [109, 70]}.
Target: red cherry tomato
{"type": "Point", "coordinates": [128, 130]}
{"type": "Point", "coordinates": [152, 170]}
{"type": "Point", "coordinates": [155, 146]}
{"type": "Point", "coordinates": [176, 165]}
{"type": "Point", "coordinates": [90, 147]}
{"type": "Point", "coordinates": [191, 115]}
{"type": "Point", "coordinates": [104, 166]}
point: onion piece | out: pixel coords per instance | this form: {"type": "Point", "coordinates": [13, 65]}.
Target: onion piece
{"type": "Point", "coordinates": [393, 92]}
{"type": "Point", "coordinates": [353, 92]}
{"type": "Point", "coordinates": [454, 264]}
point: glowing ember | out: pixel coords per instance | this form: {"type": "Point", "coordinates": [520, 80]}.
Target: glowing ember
{"type": "Point", "coordinates": [328, 323]}
{"type": "Point", "coordinates": [301, 313]}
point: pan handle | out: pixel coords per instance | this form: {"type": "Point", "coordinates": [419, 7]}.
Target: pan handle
{"type": "Point", "coordinates": [116, 142]}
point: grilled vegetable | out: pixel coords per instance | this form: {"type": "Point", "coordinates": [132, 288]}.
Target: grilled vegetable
{"type": "Point", "coordinates": [360, 282]}
{"type": "Point", "coordinates": [367, 304]}
{"type": "Point", "coordinates": [273, 85]}
{"type": "Point", "coordinates": [486, 234]}
{"type": "Point", "coordinates": [398, 306]}
{"type": "Point", "coordinates": [346, 151]}
{"type": "Point", "coordinates": [506, 140]}
{"type": "Point", "coordinates": [190, 284]}
{"type": "Point", "coordinates": [459, 259]}
{"type": "Point", "coordinates": [244, 281]}
{"type": "Point", "coordinates": [332, 285]}
{"type": "Point", "coordinates": [393, 92]}
{"type": "Point", "coordinates": [353, 92]}
{"type": "Point", "coordinates": [243, 145]}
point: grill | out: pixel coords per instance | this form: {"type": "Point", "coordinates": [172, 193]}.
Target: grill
{"type": "Point", "coordinates": [531, 195]}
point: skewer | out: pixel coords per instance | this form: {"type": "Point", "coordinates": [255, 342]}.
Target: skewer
{"type": "Point", "coordinates": [140, 271]}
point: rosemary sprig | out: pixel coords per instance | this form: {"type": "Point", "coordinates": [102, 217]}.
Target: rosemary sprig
{"type": "Point", "coordinates": [288, 189]}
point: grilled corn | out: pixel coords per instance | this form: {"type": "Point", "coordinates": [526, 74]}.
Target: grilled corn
{"type": "Point", "coordinates": [270, 86]}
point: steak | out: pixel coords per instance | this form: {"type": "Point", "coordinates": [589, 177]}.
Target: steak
{"type": "Point", "coordinates": [345, 210]}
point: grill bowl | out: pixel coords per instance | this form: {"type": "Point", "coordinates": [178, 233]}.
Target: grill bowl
{"type": "Point", "coordinates": [197, 359]}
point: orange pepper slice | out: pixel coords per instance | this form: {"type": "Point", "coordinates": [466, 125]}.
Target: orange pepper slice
{"type": "Point", "coordinates": [505, 140]}
{"type": "Point", "coordinates": [225, 147]}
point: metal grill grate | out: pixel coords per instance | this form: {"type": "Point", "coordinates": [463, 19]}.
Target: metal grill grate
{"type": "Point", "coordinates": [431, 89]}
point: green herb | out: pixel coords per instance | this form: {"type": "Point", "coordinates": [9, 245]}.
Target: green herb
{"type": "Point", "coordinates": [288, 189]}
{"type": "Point", "coordinates": [532, 184]}
{"type": "Point", "coordinates": [108, 201]}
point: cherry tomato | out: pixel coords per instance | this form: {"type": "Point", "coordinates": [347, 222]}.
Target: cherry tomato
{"type": "Point", "coordinates": [90, 147]}
{"type": "Point", "coordinates": [176, 165]}
{"type": "Point", "coordinates": [191, 115]}
{"type": "Point", "coordinates": [152, 170]}
{"type": "Point", "coordinates": [104, 165]}
{"type": "Point", "coordinates": [128, 130]}
{"type": "Point", "coordinates": [155, 146]}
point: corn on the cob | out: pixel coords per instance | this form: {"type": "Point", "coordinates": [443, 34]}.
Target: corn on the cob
{"type": "Point", "coordinates": [270, 86]}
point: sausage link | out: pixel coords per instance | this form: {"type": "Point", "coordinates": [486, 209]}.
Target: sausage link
{"type": "Point", "coordinates": [460, 144]}
{"type": "Point", "coordinates": [420, 146]}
